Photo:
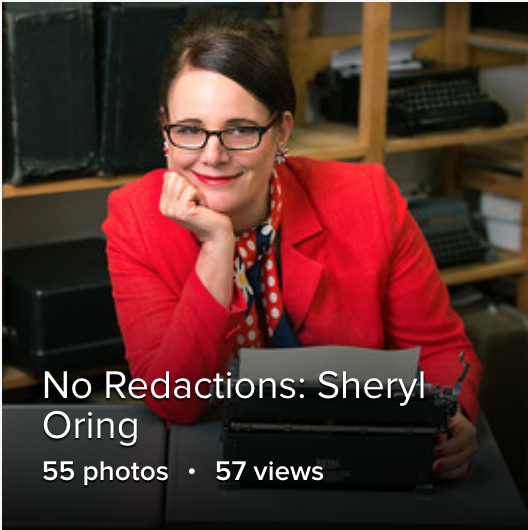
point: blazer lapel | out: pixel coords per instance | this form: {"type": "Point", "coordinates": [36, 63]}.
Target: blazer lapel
{"type": "Point", "coordinates": [302, 249]}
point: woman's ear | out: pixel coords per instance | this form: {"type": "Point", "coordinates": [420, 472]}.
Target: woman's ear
{"type": "Point", "coordinates": [285, 127]}
{"type": "Point", "coordinates": [163, 116]}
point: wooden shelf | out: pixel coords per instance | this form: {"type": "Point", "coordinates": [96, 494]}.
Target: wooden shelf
{"type": "Point", "coordinates": [507, 264]}
{"type": "Point", "coordinates": [14, 378]}
{"type": "Point", "coordinates": [61, 186]}
{"type": "Point", "coordinates": [326, 141]}
{"type": "Point", "coordinates": [458, 137]}
{"type": "Point", "coordinates": [333, 140]}
{"type": "Point", "coordinates": [482, 179]}
{"type": "Point", "coordinates": [493, 167]}
{"type": "Point", "coordinates": [507, 155]}
{"type": "Point", "coordinates": [498, 40]}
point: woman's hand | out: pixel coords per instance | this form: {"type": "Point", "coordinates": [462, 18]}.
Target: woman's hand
{"type": "Point", "coordinates": [185, 204]}
{"type": "Point", "coordinates": [455, 449]}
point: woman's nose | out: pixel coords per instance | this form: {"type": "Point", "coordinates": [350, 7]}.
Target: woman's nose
{"type": "Point", "coordinates": [213, 152]}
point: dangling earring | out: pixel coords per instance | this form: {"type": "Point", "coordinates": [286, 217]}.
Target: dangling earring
{"type": "Point", "coordinates": [165, 148]}
{"type": "Point", "coordinates": [281, 154]}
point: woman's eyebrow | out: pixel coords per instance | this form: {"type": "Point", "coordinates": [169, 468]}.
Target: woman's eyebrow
{"type": "Point", "coordinates": [239, 121]}
{"type": "Point", "coordinates": [231, 122]}
{"type": "Point", "coordinates": [189, 120]}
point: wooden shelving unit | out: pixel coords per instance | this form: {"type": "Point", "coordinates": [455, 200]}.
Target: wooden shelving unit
{"type": "Point", "coordinates": [453, 44]}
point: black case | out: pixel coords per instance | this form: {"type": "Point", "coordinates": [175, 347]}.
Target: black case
{"type": "Point", "coordinates": [502, 16]}
{"type": "Point", "coordinates": [133, 40]}
{"type": "Point", "coordinates": [499, 333]}
{"type": "Point", "coordinates": [58, 308]}
{"type": "Point", "coordinates": [49, 124]}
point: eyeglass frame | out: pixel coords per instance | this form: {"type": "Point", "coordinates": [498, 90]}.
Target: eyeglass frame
{"type": "Point", "coordinates": [262, 130]}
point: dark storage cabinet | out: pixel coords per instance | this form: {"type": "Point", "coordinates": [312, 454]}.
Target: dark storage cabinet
{"type": "Point", "coordinates": [49, 124]}
{"type": "Point", "coordinates": [58, 308]}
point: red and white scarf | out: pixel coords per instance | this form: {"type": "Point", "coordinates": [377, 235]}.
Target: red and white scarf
{"type": "Point", "coordinates": [258, 245]}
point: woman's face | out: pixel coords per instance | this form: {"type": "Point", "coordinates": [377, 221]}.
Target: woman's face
{"type": "Point", "coordinates": [233, 182]}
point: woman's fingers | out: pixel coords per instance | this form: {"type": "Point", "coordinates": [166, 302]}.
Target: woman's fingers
{"type": "Point", "coordinates": [191, 198]}
{"type": "Point", "coordinates": [178, 197]}
{"type": "Point", "coordinates": [186, 205]}
{"type": "Point", "coordinates": [455, 451]}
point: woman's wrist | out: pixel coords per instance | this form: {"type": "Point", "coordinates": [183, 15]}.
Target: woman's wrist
{"type": "Point", "coordinates": [214, 267]}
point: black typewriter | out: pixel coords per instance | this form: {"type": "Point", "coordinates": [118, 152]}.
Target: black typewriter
{"type": "Point", "coordinates": [354, 441]}
{"type": "Point", "coordinates": [446, 224]}
{"type": "Point", "coordinates": [433, 98]}
{"type": "Point", "coordinates": [446, 100]}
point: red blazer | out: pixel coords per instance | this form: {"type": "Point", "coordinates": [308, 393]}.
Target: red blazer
{"type": "Point", "coordinates": [356, 270]}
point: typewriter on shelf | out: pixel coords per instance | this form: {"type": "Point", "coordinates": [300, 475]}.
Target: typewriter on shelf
{"type": "Point", "coordinates": [446, 224]}
{"type": "Point", "coordinates": [430, 99]}
{"type": "Point", "coordinates": [354, 440]}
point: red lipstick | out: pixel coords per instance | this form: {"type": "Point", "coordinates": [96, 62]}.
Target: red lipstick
{"type": "Point", "coordinates": [215, 180]}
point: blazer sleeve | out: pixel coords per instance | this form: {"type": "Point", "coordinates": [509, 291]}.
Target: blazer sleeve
{"type": "Point", "coordinates": [170, 322]}
{"type": "Point", "coordinates": [417, 308]}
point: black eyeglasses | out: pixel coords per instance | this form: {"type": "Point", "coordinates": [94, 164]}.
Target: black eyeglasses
{"type": "Point", "coordinates": [240, 138]}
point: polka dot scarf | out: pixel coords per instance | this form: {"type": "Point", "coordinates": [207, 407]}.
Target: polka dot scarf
{"type": "Point", "coordinates": [257, 277]}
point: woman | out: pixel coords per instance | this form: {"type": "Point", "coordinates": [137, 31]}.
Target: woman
{"type": "Point", "coordinates": [343, 263]}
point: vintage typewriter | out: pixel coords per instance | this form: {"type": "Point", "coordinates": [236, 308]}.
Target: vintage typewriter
{"type": "Point", "coordinates": [430, 99]}
{"type": "Point", "coordinates": [356, 441]}
{"type": "Point", "coordinates": [444, 100]}
{"type": "Point", "coordinates": [446, 225]}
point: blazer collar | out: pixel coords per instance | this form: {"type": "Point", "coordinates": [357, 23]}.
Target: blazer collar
{"type": "Point", "coordinates": [301, 268]}
{"type": "Point", "coordinates": [299, 219]}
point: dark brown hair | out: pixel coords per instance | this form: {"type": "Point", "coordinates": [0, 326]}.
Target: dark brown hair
{"type": "Point", "coordinates": [238, 47]}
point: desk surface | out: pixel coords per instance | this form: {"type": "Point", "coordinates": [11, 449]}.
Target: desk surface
{"type": "Point", "coordinates": [29, 501]}
{"type": "Point", "coordinates": [486, 498]}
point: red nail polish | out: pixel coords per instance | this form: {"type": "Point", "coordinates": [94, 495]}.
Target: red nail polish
{"type": "Point", "coordinates": [438, 452]}
{"type": "Point", "coordinates": [438, 469]}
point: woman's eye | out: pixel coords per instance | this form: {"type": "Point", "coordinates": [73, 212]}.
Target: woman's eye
{"type": "Point", "coordinates": [187, 130]}
{"type": "Point", "coordinates": [240, 131]}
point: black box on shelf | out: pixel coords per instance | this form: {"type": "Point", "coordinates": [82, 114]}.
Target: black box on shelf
{"type": "Point", "coordinates": [133, 41]}
{"type": "Point", "coordinates": [49, 124]}
{"type": "Point", "coordinates": [257, 10]}
{"type": "Point", "coordinates": [502, 16]}
{"type": "Point", "coordinates": [58, 308]}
